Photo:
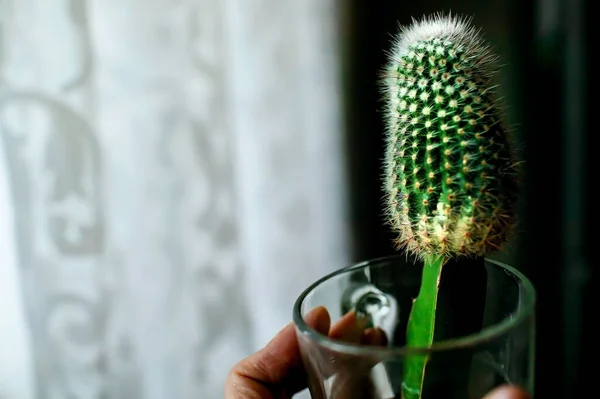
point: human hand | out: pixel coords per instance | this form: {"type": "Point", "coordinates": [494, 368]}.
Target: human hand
{"type": "Point", "coordinates": [276, 371]}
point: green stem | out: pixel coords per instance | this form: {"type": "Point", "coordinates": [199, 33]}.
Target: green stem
{"type": "Point", "coordinates": [421, 327]}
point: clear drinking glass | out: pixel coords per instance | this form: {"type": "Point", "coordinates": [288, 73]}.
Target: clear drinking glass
{"type": "Point", "coordinates": [486, 315]}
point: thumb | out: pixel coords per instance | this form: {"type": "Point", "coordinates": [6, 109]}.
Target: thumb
{"type": "Point", "coordinates": [507, 392]}
{"type": "Point", "coordinates": [276, 363]}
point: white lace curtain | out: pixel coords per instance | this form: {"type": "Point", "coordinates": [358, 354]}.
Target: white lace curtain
{"type": "Point", "coordinates": [171, 178]}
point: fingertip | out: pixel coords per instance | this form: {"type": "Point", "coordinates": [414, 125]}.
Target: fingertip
{"type": "Point", "coordinates": [508, 392]}
{"type": "Point", "coordinates": [319, 320]}
{"type": "Point", "coordinates": [348, 329]}
{"type": "Point", "coordinates": [375, 337]}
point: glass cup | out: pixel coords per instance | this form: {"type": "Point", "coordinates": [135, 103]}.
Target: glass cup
{"type": "Point", "coordinates": [484, 334]}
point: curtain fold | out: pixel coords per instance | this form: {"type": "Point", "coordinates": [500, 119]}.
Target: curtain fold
{"type": "Point", "coordinates": [173, 178]}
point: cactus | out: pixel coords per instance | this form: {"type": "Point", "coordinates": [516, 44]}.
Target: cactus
{"type": "Point", "coordinates": [450, 174]}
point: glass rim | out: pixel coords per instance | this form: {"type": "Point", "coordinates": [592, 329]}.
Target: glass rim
{"type": "Point", "coordinates": [487, 334]}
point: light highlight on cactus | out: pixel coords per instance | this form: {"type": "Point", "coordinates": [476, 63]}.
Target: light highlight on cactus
{"type": "Point", "coordinates": [450, 176]}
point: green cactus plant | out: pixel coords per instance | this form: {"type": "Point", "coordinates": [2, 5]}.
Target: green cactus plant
{"type": "Point", "coordinates": [450, 174]}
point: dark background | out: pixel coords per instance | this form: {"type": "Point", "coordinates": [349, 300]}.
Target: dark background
{"type": "Point", "coordinates": [545, 82]}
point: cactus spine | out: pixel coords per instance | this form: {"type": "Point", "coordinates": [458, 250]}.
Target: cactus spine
{"type": "Point", "coordinates": [450, 175]}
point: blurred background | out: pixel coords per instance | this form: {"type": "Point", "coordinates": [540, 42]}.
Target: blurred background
{"type": "Point", "coordinates": [173, 173]}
